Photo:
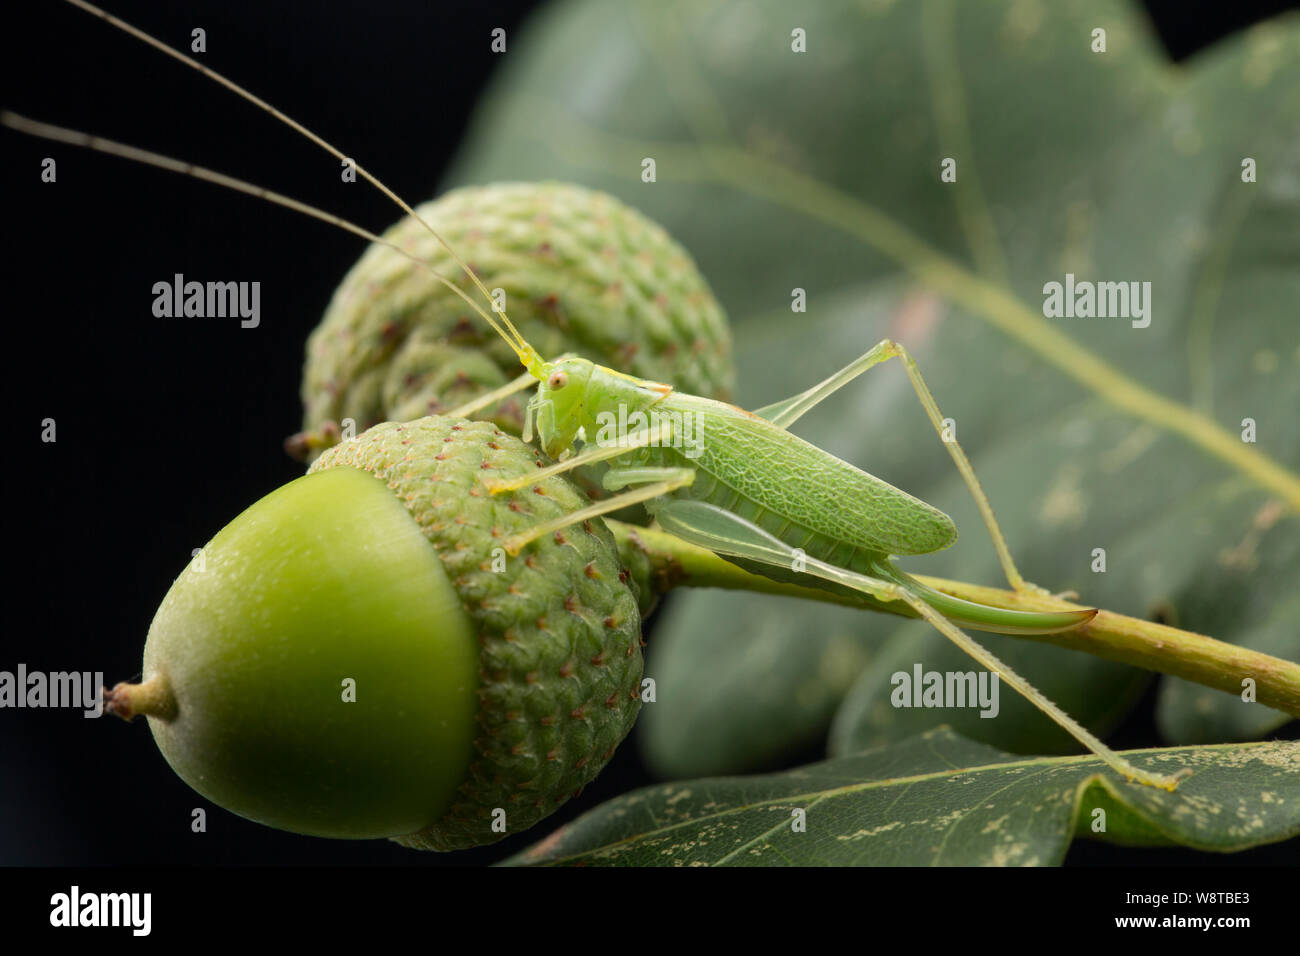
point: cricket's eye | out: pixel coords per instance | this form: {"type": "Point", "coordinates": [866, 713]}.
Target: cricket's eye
{"type": "Point", "coordinates": [557, 381]}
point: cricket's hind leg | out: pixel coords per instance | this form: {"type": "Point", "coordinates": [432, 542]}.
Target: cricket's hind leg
{"type": "Point", "coordinates": [786, 412]}
{"type": "Point", "coordinates": [725, 533]}
{"type": "Point", "coordinates": [984, 617]}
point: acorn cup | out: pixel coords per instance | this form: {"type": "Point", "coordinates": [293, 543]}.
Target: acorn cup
{"type": "Point", "coordinates": [357, 656]}
{"type": "Point", "coordinates": [575, 269]}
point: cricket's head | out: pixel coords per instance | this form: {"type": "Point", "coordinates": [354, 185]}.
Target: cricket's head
{"type": "Point", "coordinates": [562, 385]}
{"type": "Point", "coordinates": [560, 402]}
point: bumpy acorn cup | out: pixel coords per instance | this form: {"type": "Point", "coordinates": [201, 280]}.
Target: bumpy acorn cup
{"type": "Point", "coordinates": [357, 656]}
{"type": "Point", "coordinates": [579, 271]}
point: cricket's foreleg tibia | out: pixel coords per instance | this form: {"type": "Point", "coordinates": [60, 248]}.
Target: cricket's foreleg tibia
{"type": "Point", "coordinates": [657, 434]}
{"type": "Point", "coordinates": [679, 478]}
{"type": "Point", "coordinates": [488, 399]}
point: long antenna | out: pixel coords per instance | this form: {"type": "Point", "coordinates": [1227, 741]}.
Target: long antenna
{"type": "Point", "coordinates": [520, 344]}
{"type": "Point", "coordinates": [135, 154]}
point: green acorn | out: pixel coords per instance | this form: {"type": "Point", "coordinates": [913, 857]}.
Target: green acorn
{"type": "Point", "coordinates": [357, 655]}
{"type": "Point", "coordinates": [580, 272]}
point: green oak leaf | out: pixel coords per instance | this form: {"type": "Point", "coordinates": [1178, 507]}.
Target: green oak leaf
{"type": "Point", "coordinates": [821, 171]}
{"type": "Point", "coordinates": [940, 800]}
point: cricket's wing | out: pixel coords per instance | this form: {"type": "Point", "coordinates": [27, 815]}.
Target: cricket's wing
{"type": "Point", "coordinates": [766, 471]}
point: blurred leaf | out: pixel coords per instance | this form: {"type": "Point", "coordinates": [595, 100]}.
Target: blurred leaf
{"type": "Point", "coordinates": [1191, 712]}
{"type": "Point", "coordinates": [755, 700]}
{"type": "Point", "coordinates": [940, 800]}
{"type": "Point", "coordinates": [820, 171]}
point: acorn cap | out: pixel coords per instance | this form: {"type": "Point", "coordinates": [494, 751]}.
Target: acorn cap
{"type": "Point", "coordinates": [581, 272]}
{"type": "Point", "coordinates": [558, 627]}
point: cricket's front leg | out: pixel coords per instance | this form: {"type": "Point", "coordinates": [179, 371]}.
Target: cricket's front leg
{"type": "Point", "coordinates": [488, 399]}
{"type": "Point", "coordinates": [657, 434]}
{"type": "Point", "coordinates": [653, 482]}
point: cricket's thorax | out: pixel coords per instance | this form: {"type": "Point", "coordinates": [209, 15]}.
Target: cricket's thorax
{"type": "Point", "coordinates": [611, 396]}
{"type": "Point", "coordinates": [792, 489]}
{"type": "Point", "coordinates": [574, 394]}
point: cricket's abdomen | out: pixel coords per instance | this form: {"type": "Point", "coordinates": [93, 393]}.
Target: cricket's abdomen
{"type": "Point", "coordinates": [796, 491]}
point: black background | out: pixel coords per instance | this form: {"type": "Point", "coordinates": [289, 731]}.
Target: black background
{"type": "Point", "coordinates": [166, 430]}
